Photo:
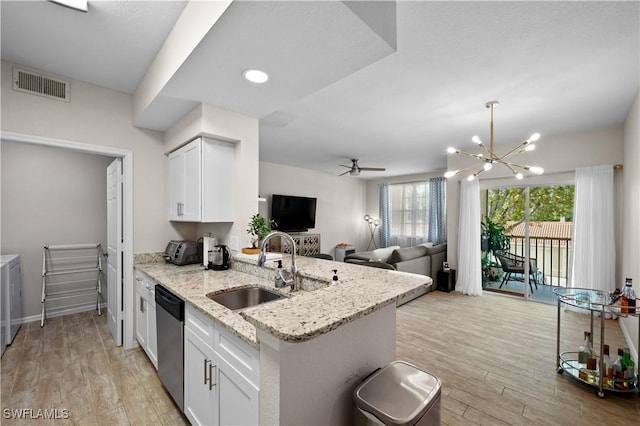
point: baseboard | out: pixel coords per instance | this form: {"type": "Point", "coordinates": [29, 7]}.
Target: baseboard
{"type": "Point", "coordinates": [51, 313]}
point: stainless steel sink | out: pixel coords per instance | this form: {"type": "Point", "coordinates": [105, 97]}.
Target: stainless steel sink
{"type": "Point", "coordinates": [244, 297]}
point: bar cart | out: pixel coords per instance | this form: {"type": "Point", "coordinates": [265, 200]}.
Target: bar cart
{"type": "Point", "coordinates": [596, 302]}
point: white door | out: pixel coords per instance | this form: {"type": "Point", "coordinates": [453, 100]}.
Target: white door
{"type": "Point", "coordinates": [114, 250]}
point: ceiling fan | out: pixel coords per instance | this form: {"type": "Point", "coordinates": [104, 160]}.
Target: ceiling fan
{"type": "Point", "coordinates": [355, 169]}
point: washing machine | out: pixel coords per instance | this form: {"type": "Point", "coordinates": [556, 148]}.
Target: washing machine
{"type": "Point", "coordinates": [11, 294]}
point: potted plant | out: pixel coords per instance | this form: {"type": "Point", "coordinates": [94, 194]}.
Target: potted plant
{"type": "Point", "coordinates": [493, 238]}
{"type": "Point", "coordinates": [259, 227]}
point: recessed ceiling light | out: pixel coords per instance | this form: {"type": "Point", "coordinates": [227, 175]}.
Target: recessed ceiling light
{"type": "Point", "coordinates": [255, 76]}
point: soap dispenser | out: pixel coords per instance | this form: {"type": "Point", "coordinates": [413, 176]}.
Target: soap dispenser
{"type": "Point", "coordinates": [335, 280]}
{"type": "Point", "coordinates": [279, 280]}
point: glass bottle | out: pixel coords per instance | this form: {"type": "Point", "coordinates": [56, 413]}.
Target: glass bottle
{"type": "Point", "coordinates": [607, 367]}
{"type": "Point", "coordinates": [618, 368]}
{"type": "Point", "coordinates": [631, 296]}
{"type": "Point", "coordinates": [624, 301]}
{"type": "Point", "coordinates": [628, 363]}
{"type": "Point", "coordinates": [585, 351]}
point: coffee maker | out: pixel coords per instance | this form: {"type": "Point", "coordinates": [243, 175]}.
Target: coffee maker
{"type": "Point", "coordinates": [220, 258]}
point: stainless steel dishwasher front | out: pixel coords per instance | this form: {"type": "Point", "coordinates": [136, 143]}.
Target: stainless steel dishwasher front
{"type": "Point", "coordinates": [170, 329]}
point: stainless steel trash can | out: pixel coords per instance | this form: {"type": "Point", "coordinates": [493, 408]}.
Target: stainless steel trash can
{"type": "Point", "coordinates": [398, 394]}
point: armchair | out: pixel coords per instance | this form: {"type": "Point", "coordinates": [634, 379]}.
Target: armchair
{"type": "Point", "coordinates": [514, 264]}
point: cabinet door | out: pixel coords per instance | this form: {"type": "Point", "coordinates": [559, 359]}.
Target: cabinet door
{"type": "Point", "coordinates": [199, 400]}
{"type": "Point", "coordinates": [141, 320]}
{"type": "Point", "coordinates": [192, 208]}
{"type": "Point", "coordinates": [152, 338]}
{"type": "Point", "coordinates": [218, 160]}
{"type": "Point", "coordinates": [176, 184]}
{"type": "Point", "coordinates": [237, 397]}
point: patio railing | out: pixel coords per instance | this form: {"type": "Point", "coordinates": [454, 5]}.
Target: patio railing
{"type": "Point", "coordinates": [552, 257]}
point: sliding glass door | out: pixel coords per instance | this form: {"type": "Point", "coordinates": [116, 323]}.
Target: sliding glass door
{"type": "Point", "coordinates": [527, 239]}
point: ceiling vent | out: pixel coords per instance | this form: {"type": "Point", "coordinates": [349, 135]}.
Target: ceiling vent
{"type": "Point", "coordinates": [40, 84]}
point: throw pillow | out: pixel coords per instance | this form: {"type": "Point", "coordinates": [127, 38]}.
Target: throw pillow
{"type": "Point", "coordinates": [408, 253]}
{"type": "Point", "coordinates": [383, 254]}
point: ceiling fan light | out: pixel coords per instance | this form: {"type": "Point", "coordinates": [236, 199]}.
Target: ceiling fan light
{"type": "Point", "coordinates": [471, 177]}
{"type": "Point", "coordinates": [537, 170]}
{"type": "Point", "coordinates": [451, 173]}
{"type": "Point", "coordinates": [519, 176]}
{"type": "Point", "coordinates": [476, 139]}
{"type": "Point", "coordinates": [534, 137]}
{"type": "Point", "coordinates": [452, 150]}
{"type": "Point", "coordinates": [530, 147]}
{"type": "Point", "coordinates": [488, 166]}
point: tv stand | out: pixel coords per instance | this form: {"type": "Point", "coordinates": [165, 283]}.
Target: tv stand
{"type": "Point", "coordinates": [306, 244]}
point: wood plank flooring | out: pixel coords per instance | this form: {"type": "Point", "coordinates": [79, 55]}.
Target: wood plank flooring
{"type": "Point", "coordinates": [496, 357]}
{"type": "Point", "coordinates": [494, 354]}
{"type": "Point", "coordinates": [73, 364]}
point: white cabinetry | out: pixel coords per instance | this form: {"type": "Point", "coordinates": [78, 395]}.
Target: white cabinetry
{"type": "Point", "coordinates": [146, 317]}
{"type": "Point", "coordinates": [201, 182]}
{"type": "Point", "coordinates": [221, 374]}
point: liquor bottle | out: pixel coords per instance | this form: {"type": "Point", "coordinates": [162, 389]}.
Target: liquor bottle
{"type": "Point", "coordinates": [631, 296]}
{"type": "Point", "coordinates": [585, 351]}
{"type": "Point", "coordinates": [619, 367]}
{"type": "Point", "coordinates": [628, 363]}
{"type": "Point", "coordinates": [607, 368]}
{"type": "Point", "coordinates": [624, 301]}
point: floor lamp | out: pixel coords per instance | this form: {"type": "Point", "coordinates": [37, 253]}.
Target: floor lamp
{"type": "Point", "coordinates": [373, 225]}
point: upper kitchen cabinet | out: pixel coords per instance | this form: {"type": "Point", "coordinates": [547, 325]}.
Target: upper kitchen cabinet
{"type": "Point", "coordinates": [201, 182]}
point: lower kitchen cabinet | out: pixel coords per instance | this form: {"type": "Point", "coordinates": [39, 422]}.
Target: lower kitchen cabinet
{"type": "Point", "coordinates": [220, 374]}
{"type": "Point", "coordinates": [237, 397]}
{"type": "Point", "coordinates": [200, 389]}
{"type": "Point", "coordinates": [146, 317]}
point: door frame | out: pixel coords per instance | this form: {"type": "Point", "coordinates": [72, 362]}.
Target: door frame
{"type": "Point", "coordinates": [127, 212]}
{"type": "Point", "coordinates": [557, 178]}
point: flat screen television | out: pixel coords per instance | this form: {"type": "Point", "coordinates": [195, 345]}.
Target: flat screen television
{"type": "Point", "coordinates": [293, 214]}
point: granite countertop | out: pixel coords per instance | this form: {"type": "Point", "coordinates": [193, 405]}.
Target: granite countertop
{"type": "Point", "coordinates": [317, 308]}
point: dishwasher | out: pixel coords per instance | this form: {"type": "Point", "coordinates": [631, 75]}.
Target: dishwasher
{"type": "Point", "coordinates": [170, 323]}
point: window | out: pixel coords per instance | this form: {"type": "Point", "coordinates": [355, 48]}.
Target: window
{"type": "Point", "coordinates": [409, 213]}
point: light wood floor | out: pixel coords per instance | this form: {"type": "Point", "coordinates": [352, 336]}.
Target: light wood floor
{"type": "Point", "coordinates": [495, 356]}
{"type": "Point", "coordinates": [73, 364]}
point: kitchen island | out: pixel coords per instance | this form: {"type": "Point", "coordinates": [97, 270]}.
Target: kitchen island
{"type": "Point", "coordinates": [314, 346]}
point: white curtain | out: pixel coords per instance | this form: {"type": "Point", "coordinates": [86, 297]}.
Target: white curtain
{"type": "Point", "coordinates": [469, 268]}
{"type": "Point", "coordinates": [594, 250]}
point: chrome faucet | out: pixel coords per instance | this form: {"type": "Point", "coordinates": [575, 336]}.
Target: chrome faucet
{"type": "Point", "coordinates": [289, 278]}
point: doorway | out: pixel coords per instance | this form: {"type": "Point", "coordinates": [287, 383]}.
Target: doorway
{"type": "Point", "coordinates": [530, 228]}
{"type": "Point", "coordinates": [127, 213]}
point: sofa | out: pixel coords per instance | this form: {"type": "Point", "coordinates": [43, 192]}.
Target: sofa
{"type": "Point", "coordinates": [423, 259]}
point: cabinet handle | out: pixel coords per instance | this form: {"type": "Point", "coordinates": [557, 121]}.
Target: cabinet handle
{"type": "Point", "coordinates": [206, 361]}
{"type": "Point", "coordinates": [211, 367]}
{"type": "Point", "coordinates": [141, 304]}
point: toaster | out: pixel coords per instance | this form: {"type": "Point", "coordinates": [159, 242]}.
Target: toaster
{"type": "Point", "coordinates": [183, 252]}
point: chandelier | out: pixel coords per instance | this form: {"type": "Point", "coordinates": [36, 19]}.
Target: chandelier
{"type": "Point", "coordinates": [491, 158]}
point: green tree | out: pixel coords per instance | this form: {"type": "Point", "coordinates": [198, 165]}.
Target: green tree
{"type": "Point", "coordinates": [547, 203]}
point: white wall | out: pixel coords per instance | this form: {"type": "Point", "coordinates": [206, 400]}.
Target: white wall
{"type": "Point", "coordinates": [554, 154]}
{"type": "Point", "coordinates": [53, 196]}
{"type": "Point", "coordinates": [340, 206]}
{"type": "Point", "coordinates": [100, 116]}
{"type": "Point", "coordinates": [631, 209]}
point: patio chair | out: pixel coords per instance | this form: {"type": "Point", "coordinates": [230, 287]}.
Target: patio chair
{"type": "Point", "coordinates": [514, 264]}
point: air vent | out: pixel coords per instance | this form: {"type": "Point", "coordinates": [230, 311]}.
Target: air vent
{"type": "Point", "coordinates": [40, 84]}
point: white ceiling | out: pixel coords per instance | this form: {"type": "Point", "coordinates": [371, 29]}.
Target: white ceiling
{"type": "Point", "coordinates": [350, 80]}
